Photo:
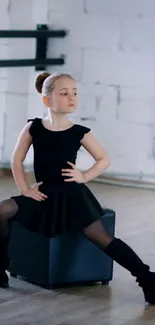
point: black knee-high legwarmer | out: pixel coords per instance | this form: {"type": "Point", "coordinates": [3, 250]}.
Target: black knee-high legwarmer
{"type": "Point", "coordinates": [126, 257]}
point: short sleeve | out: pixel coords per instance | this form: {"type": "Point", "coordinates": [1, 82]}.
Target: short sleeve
{"type": "Point", "coordinates": [32, 129]}
{"type": "Point", "coordinates": [82, 130]}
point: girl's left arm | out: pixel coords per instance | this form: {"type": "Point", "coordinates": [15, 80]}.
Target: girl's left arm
{"type": "Point", "coordinates": [91, 144]}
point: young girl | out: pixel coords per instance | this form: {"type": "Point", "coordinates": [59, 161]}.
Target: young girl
{"type": "Point", "coordinates": [60, 201]}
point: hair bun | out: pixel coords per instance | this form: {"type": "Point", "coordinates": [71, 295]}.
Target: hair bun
{"type": "Point", "coordinates": [39, 81]}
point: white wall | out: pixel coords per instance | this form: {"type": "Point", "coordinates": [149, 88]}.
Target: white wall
{"type": "Point", "coordinates": [4, 23]}
{"type": "Point", "coordinates": [110, 50]}
{"type": "Point", "coordinates": [18, 15]}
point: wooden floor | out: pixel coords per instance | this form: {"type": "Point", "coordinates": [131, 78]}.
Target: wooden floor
{"type": "Point", "coordinates": [119, 303]}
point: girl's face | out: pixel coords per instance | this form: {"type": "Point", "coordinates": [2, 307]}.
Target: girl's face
{"type": "Point", "coordinates": [63, 98]}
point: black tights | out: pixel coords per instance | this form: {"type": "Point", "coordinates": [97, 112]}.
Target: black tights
{"type": "Point", "coordinates": [8, 209]}
{"type": "Point", "coordinates": [95, 232]}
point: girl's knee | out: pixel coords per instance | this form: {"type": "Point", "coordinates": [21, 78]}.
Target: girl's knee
{"type": "Point", "coordinates": [8, 208]}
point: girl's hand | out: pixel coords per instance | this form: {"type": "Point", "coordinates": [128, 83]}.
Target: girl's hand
{"type": "Point", "coordinates": [34, 193]}
{"type": "Point", "coordinates": [74, 173]}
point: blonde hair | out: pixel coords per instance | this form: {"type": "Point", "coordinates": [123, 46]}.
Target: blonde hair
{"type": "Point", "coordinates": [45, 82]}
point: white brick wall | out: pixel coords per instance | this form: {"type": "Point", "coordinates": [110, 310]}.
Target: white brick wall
{"type": "Point", "coordinates": [68, 6]}
{"type": "Point", "coordinates": [121, 8]}
{"type": "Point", "coordinates": [19, 16]}
{"type": "Point", "coordinates": [120, 68]}
{"type": "Point", "coordinates": [4, 23]}
{"type": "Point", "coordinates": [110, 51]}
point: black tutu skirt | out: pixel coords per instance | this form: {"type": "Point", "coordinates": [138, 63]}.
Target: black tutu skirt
{"type": "Point", "coordinates": [69, 207]}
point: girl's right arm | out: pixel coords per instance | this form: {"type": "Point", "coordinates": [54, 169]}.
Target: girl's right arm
{"type": "Point", "coordinates": [19, 154]}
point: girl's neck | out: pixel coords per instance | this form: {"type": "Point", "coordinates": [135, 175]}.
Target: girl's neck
{"type": "Point", "coordinates": [58, 122]}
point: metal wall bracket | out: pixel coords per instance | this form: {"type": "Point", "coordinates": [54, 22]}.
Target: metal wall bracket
{"type": "Point", "coordinates": [42, 33]}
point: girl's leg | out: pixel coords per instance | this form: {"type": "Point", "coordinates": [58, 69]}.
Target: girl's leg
{"type": "Point", "coordinates": [8, 209]}
{"type": "Point", "coordinates": [123, 255]}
